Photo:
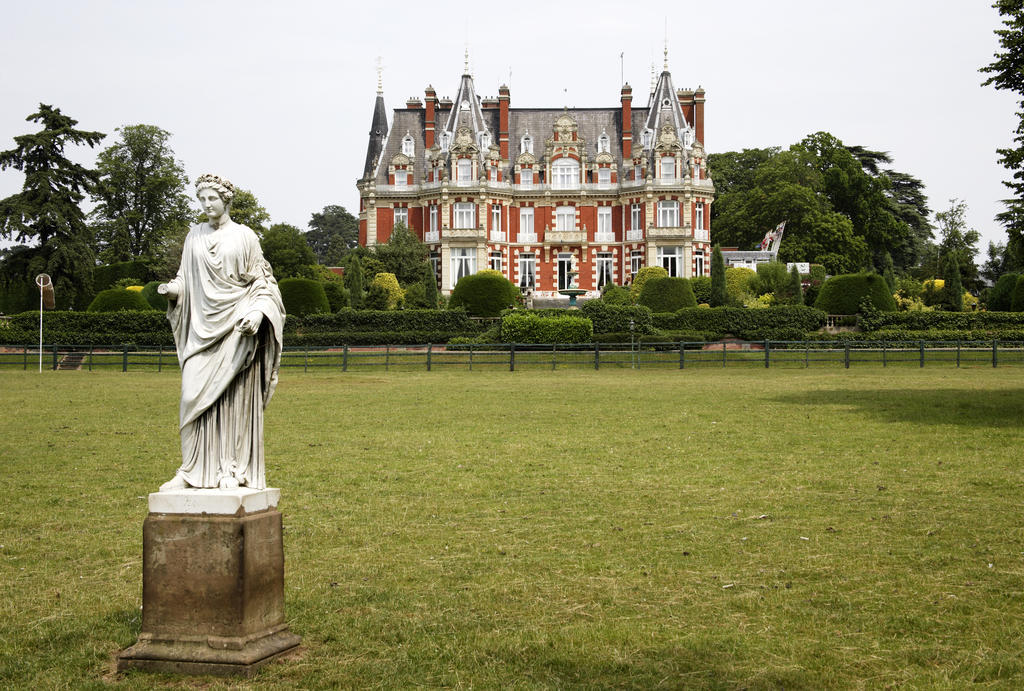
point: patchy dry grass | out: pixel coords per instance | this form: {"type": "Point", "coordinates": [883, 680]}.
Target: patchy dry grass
{"type": "Point", "coordinates": [702, 528]}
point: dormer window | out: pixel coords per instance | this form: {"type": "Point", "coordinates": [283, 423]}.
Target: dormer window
{"type": "Point", "coordinates": [668, 168]}
{"type": "Point", "coordinates": [604, 144]}
{"type": "Point", "coordinates": [446, 140]}
{"type": "Point", "coordinates": [408, 145]}
{"type": "Point", "coordinates": [526, 144]}
{"type": "Point", "coordinates": [646, 137]}
{"type": "Point", "coordinates": [483, 140]}
{"type": "Point", "coordinates": [464, 105]}
{"type": "Point", "coordinates": [464, 170]}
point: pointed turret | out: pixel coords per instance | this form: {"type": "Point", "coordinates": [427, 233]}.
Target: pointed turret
{"type": "Point", "coordinates": [466, 112]}
{"type": "Point", "coordinates": [664, 109]}
{"type": "Point", "coordinates": [378, 135]}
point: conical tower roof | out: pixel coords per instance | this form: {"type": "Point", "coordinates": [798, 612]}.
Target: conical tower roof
{"type": "Point", "coordinates": [378, 136]}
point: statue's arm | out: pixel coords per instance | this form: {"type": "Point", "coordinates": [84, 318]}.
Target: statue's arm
{"type": "Point", "coordinates": [172, 289]}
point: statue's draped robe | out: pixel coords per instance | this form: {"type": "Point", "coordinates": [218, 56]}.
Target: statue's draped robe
{"type": "Point", "coordinates": [227, 377]}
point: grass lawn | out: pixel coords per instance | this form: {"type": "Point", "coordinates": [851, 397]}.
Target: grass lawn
{"type": "Point", "coordinates": [701, 528]}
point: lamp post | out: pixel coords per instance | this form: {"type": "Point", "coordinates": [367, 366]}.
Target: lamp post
{"type": "Point", "coordinates": [45, 300]}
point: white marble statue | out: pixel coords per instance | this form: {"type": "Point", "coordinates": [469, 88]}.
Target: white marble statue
{"type": "Point", "coordinates": [227, 316]}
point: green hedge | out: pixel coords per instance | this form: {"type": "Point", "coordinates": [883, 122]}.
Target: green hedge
{"type": "Point", "coordinates": [119, 299]}
{"type": "Point", "coordinates": [892, 335]}
{"type": "Point", "coordinates": [149, 328]}
{"type": "Point", "coordinates": [155, 299]}
{"type": "Point", "coordinates": [611, 318]}
{"type": "Point", "coordinates": [782, 323]}
{"type": "Point", "coordinates": [701, 286]}
{"type": "Point", "coordinates": [525, 327]}
{"type": "Point", "coordinates": [843, 294]}
{"type": "Point", "coordinates": [1017, 297]}
{"type": "Point", "coordinates": [667, 294]}
{"type": "Point", "coordinates": [947, 321]}
{"type": "Point", "coordinates": [349, 319]}
{"type": "Point", "coordinates": [303, 296]}
{"type": "Point", "coordinates": [337, 295]}
{"type": "Point", "coordinates": [1000, 296]}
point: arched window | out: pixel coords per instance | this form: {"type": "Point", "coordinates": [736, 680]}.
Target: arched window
{"type": "Point", "coordinates": [526, 143]}
{"type": "Point", "coordinates": [604, 144]}
{"type": "Point", "coordinates": [565, 174]}
{"type": "Point", "coordinates": [446, 140]}
{"type": "Point", "coordinates": [646, 137]}
{"type": "Point", "coordinates": [408, 146]}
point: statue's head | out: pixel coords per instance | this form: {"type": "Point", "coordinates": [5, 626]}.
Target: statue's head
{"type": "Point", "coordinates": [221, 186]}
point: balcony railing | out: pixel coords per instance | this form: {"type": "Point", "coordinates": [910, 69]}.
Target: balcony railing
{"type": "Point", "coordinates": [635, 235]}
{"type": "Point", "coordinates": [526, 237]}
{"type": "Point", "coordinates": [498, 236]}
{"type": "Point", "coordinates": [432, 236]}
{"type": "Point", "coordinates": [604, 237]}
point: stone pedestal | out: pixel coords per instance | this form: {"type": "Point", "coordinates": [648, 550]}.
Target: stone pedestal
{"type": "Point", "coordinates": [212, 584]}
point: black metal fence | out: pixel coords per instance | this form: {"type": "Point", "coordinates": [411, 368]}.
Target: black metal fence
{"type": "Point", "coordinates": [518, 356]}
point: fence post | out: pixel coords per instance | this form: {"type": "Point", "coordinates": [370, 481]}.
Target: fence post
{"type": "Point", "coordinates": [429, 347]}
{"type": "Point", "coordinates": [512, 357]}
{"type": "Point", "coordinates": [597, 355]}
{"type": "Point", "coordinates": [159, 358]}
{"type": "Point", "coordinates": [682, 355]}
{"type": "Point", "coordinates": [723, 354]}
{"type": "Point", "coordinates": [344, 359]}
{"type": "Point", "coordinates": [883, 354]}
{"type": "Point", "coordinates": [554, 355]}
{"type": "Point", "coordinates": [470, 357]}
{"type": "Point", "coordinates": [25, 358]}
{"type": "Point", "coordinates": [958, 353]}
{"type": "Point", "coordinates": [124, 359]}
{"type": "Point", "coordinates": [90, 357]}
{"type": "Point", "coordinates": [920, 345]}
{"type": "Point", "coordinates": [767, 352]}
{"type": "Point", "coordinates": [846, 355]}
{"type": "Point", "coordinates": [807, 354]}
{"type": "Point", "coordinates": [55, 357]}
{"type": "Point", "coordinates": [995, 349]}
{"type": "Point", "coordinates": [305, 358]}
{"type": "Point", "coordinates": [387, 357]}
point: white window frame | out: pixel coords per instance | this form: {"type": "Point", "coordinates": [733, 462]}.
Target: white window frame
{"type": "Point", "coordinates": [696, 171]}
{"type": "Point", "coordinates": [604, 176]}
{"type": "Point", "coordinates": [605, 273]}
{"type": "Point", "coordinates": [463, 215]}
{"type": "Point", "coordinates": [527, 270]}
{"type": "Point", "coordinates": [434, 218]}
{"type": "Point", "coordinates": [401, 178]}
{"type": "Point", "coordinates": [463, 261]}
{"type": "Point", "coordinates": [494, 261]}
{"type": "Point", "coordinates": [668, 214]}
{"type": "Point", "coordinates": [671, 259]}
{"type": "Point", "coordinates": [408, 146]}
{"type": "Point", "coordinates": [698, 216]}
{"type": "Point", "coordinates": [401, 215]}
{"type": "Point", "coordinates": [636, 261]}
{"type": "Point", "coordinates": [526, 144]}
{"type": "Point", "coordinates": [638, 172]}
{"type": "Point", "coordinates": [565, 218]}
{"type": "Point", "coordinates": [636, 215]}
{"type": "Point", "coordinates": [604, 143]}
{"type": "Point", "coordinates": [698, 263]}
{"type": "Point", "coordinates": [493, 174]}
{"type": "Point", "coordinates": [668, 168]}
{"type": "Point", "coordinates": [604, 221]}
{"type": "Point", "coordinates": [526, 177]}
{"type": "Point", "coordinates": [496, 217]}
{"type": "Point", "coordinates": [464, 170]}
{"type": "Point", "coordinates": [565, 174]}
{"type": "Point", "coordinates": [526, 222]}
{"type": "Point", "coordinates": [564, 278]}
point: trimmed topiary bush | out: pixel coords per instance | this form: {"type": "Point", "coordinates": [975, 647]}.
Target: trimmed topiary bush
{"type": "Point", "coordinates": [615, 318]}
{"type": "Point", "coordinates": [387, 283]}
{"type": "Point", "coordinates": [843, 294]}
{"type": "Point", "coordinates": [701, 286]}
{"type": "Point", "coordinates": [119, 299]}
{"type": "Point", "coordinates": [524, 327]}
{"type": "Point", "coordinates": [667, 294]}
{"type": "Point", "coordinates": [337, 296]}
{"type": "Point", "coordinates": [1000, 297]}
{"type": "Point", "coordinates": [303, 296]}
{"type": "Point", "coordinates": [107, 276]}
{"type": "Point", "coordinates": [1017, 300]}
{"type": "Point", "coordinates": [642, 276]}
{"type": "Point", "coordinates": [484, 294]}
{"type": "Point", "coordinates": [615, 295]}
{"type": "Point", "coordinates": [155, 299]}
{"type": "Point", "coordinates": [739, 283]}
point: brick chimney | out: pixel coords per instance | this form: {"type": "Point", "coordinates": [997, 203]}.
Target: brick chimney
{"type": "Point", "coordinates": [503, 101]}
{"type": "Point", "coordinates": [431, 99]}
{"type": "Point", "coordinates": [627, 125]}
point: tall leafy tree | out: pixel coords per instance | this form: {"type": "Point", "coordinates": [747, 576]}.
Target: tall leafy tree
{"type": "Point", "coordinates": [140, 199]}
{"type": "Point", "coordinates": [332, 233]}
{"type": "Point", "coordinates": [1007, 74]}
{"type": "Point", "coordinates": [354, 280]}
{"type": "Point", "coordinates": [403, 255]}
{"type": "Point", "coordinates": [959, 242]}
{"type": "Point", "coordinates": [45, 217]}
{"type": "Point", "coordinates": [285, 247]}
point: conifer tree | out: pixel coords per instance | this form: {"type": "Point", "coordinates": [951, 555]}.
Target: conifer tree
{"type": "Point", "coordinates": [430, 288]}
{"type": "Point", "coordinates": [889, 272]}
{"type": "Point", "coordinates": [45, 217]}
{"type": "Point", "coordinates": [354, 281]}
{"type": "Point", "coordinates": [719, 296]}
{"type": "Point", "coordinates": [953, 289]}
{"type": "Point", "coordinates": [795, 290]}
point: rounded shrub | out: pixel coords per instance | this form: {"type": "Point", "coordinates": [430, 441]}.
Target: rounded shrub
{"type": "Point", "coordinates": [739, 282]}
{"type": "Point", "coordinates": [667, 294]}
{"type": "Point", "coordinates": [155, 299]}
{"type": "Point", "coordinates": [303, 296]}
{"type": "Point", "coordinates": [337, 296]}
{"type": "Point", "coordinates": [387, 283]}
{"type": "Point", "coordinates": [1017, 301]}
{"type": "Point", "coordinates": [484, 294]}
{"type": "Point", "coordinates": [117, 300]}
{"type": "Point", "coordinates": [1000, 297]}
{"type": "Point", "coordinates": [642, 276]}
{"type": "Point", "coordinates": [615, 295]}
{"type": "Point", "coordinates": [843, 294]}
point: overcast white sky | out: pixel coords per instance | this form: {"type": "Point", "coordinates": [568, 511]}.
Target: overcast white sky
{"type": "Point", "coordinates": [277, 96]}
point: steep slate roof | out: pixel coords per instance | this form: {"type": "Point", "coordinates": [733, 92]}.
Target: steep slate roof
{"type": "Point", "coordinates": [378, 135]}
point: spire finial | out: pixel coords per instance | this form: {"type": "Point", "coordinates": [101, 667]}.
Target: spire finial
{"type": "Point", "coordinates": [666, 44]}
{"type": "Point", "coordinates": [465, 69]}
{"type": "Point", "coordinates": [653, 83]}
{"type": "Point", "coordinates": [380, 76]}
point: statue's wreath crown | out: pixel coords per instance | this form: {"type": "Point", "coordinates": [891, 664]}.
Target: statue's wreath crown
{"type": "Point", "coordinates": [223, 186]}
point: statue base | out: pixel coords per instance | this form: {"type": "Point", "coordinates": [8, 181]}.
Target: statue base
{"type": "Point", "coordinates": [212, 584]}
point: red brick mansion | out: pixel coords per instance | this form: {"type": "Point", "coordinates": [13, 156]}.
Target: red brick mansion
{"type": "Point", "coordinates": [551, 197]}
